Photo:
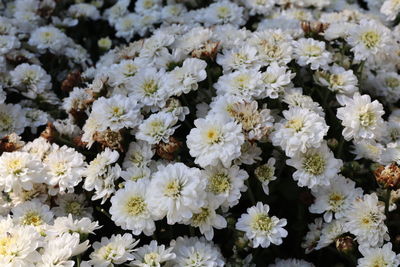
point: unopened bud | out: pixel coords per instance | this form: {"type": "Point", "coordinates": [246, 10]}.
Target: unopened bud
{"type": "Point", "coordinates": [345, 244]}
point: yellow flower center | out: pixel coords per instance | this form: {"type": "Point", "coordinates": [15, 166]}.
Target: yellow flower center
{"type": "Point", "coordinates": [200, 218]}
{"type": "Point", "coordinates": [173, 189]}
{"type": "Point", "coordinates": [136, 206]}
{"type": "Point", "coordinates": [313, 50]}
{"type": "Point", "coordinates": [32, 218]}
{"type": "Point", "coordinates": [264, 173]}
{"type": "Point", "coordinates": [370, 39]}
{"type": "Point", "coordinates": [151, 258]}
{"type": "Point", "coordinates": [219, 183]}
{"type": "Point", "coordinates": [5, 244]}
{"type": "Point", "coordinates": [223, 12]}
{"type": "Point", "coordinates": [392, 82]}
{"type": "Point", "coordinates": [213, 136]}
{"type": "Point", "coordinates": [295, 124]}
{"type": "Point", "coordinates": [367, 118]}
{"type": "Point", "coordinates": [314, 164]}
{"type": "Point", "coordinates": [150, 87]}
{"type": "Point", "coordinates": [262, 222]}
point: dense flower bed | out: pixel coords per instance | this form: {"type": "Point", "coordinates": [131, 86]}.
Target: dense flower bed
{"type": "Point", "coordinates": [199, 133]}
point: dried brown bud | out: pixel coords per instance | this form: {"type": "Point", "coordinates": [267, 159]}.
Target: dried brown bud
{"type": "Point", "coordinates": [388, 176]}
{"type": "Point", "coordinates": [168, 150]}
{"type": "Point", "coordinates": [209, 51]}
{"type": "Point", "coordinates": [313, 27]}
{"type": "Point", "coordinates": [50, 133]}
{"type": "Point", "coordinates": [111, 139]}
{"type": "Point", "coordinates": [345, 244]}
{"type": "Point", "coordinates": [11, 143]}
{"type": "Point", "coordinates": [78, 141]}
{"type": "Point", "coordinates": [73, 79]}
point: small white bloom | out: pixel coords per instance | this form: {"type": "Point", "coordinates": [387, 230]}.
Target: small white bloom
{"type": "Point", "coordinates": [260, 228]}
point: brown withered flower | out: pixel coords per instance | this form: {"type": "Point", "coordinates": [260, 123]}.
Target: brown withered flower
{"type": "Point", "coordinates": [111, 139]}
{"type": "Point", "coordinates": [50, 133]}
{"type": "Point", "coordinates": [209, 51]}
{"type": "Point", "coordinates": [168, 150]}
{"type": "Point", "coordinates": [73, 79]}
{"type": "Point", "coordinates": [345, 244]}
{"type": "Point", "coordinates": [11, 143]}
{"type": "Point", "coordinates": [388, 176]}
{"type": "Point", "coordinates": [313, 27]}
{"type": "Point", "coordinates": [256, 124]}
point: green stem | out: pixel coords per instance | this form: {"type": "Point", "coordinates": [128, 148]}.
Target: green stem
{"type": "Point", "coordinates": [250, 193]}
{"type": "Point", "coordinates": [78, 260]}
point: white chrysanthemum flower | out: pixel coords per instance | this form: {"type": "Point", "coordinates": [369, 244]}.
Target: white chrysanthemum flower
{"type": "Point", "coordinates": [330, 232]}
{"type": "Point", "coordinates": [336, 199]}
{"type": "Point", "coordinates": [273, 45]}
{"type": "Point", "coordinates": [32, 213]}
{"type": "Point", "coordinates": [311, 52]}
{"type": "Point", "coordinates": [48, 37]}
{"type": "Point", "coordinates": [73, 204]}
{"type": "Point", "coordinates": [208, 219]}
{"type": "Point", "coordinates": [83, 226]}
{"type": "Point", "coordinates": [8, 43]}
{"type": "Point", "coordinates": [37, 117]}
{"type": "Point", "coordinates": [157, 127]}
{"type": "Point", "coordinates": [139, 154]}
{"type": "Point", "coordinates": [261, 228]}
{"type": "Point", "coordinates": [276, 79]}
{"type": "Point", "coordinates": [77, 100]}
{"type": "Point", "coordinates": [194, 39]}
{"type": "Point", "coordinates": [59, 251]}
{"type": "Point", "coordinates": [135, 173]}
{"type": "Point", "coordinates": [126, 26]}
{"type": "Point", "coordinates": [291, 263]}
{"type": "Point", "coordinates": [116, 113]}
{"type": "Point", "coordinates": [84, 10]}
{"type": "Point", "coordinates": [196, 251]}
{"type": "Point", "coordinates": [100, 174]}
{"type": "Point", "coordinates": [240, 57]}
{"type": "Point", "coordinates": [225, 184]}
{"type": "Point", "coordinates": [369, 149]}
{"type": "Point", "coordinates": [115, 250]}
{"type": "Point", "coordinates": [214, 140]}
{"type": "Point", "coordinates": [383, 256]}
{"type": "Point", "coordinates": [368, 38]}
{"type": "Point", "coordinates": [313, 235]}
{"type": "Point", "coordinates": [338, 80]}
{"type": "Point", "coordinates": [266, 173]}
{"type": "Point", "coordinates": [259, 7]}
{"type": "Point", "coordinates": [391, 8]}
{"type": "Point", "coordinates": [361, 118]}
{"type": "Point", "coordinates": [243, 83]}
{"type": "Point", "coordinates": [223, 12]}
{"type": "Point", "coordinates": [315, 167]}
{"type": "Point", "coordinates": [12, 119]}
{"type": "Point", "coordinates": [130, 208]}
{"type": "Point", "coordinates": [152, 255]}
{"type": "Point", "coordinates": [19, 171]}
{"type": "Point", "coordinates": [19, 246]}
{"type": "Point", "coordinates": [177, 192]}
{"type": "Point", "coordinates": [300, 130]}
{"type": "Point", "coordinates": [147, 87]}
{"type": "Point", "coordinates": [365, 219]}
{"type": "Point", "coordinates": [387, 84]}
{"type": "Point", "coordinates": [295, 98]}
{"type": "Point", "coordinates": [182, 80]}
{"type": "Point", "coordinates": [38, 148]}
{"type": "Point", "coordinates": [64, 167]}
{"type": "Point", "coordinates": [250, 154]}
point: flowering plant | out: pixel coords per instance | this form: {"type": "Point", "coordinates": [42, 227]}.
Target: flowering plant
{"type": "Point", "coordinates": [199, 133]}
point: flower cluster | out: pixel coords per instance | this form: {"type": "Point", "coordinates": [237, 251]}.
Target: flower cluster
{"type": "Point", "coordinates": [199, 133]}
